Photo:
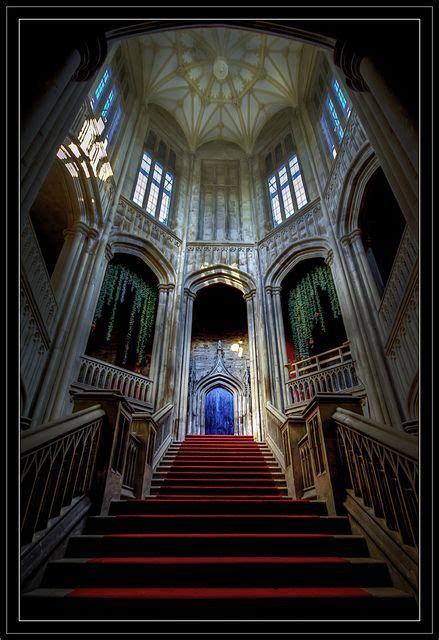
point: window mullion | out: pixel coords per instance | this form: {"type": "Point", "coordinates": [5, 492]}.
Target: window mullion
{"type": "Point", "coordinates": [161, 190]}
{"type": "Point", "coordinates": [149, 181]}
{"type": "Point", "coordinates": [280, 197]}
{"type": "Point", "coordinates": [338, 108]}
{"type": "Point", "coordinates": [290, 182]}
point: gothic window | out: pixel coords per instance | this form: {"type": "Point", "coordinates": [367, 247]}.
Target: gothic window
{"type": "Point", "coordinates": [334, 115]}
{"type": "Point", "coordinates": [154, 185]}
{"type": "Point", "coordinates": [112, 90]}
{"type": "Point", "coordinates": [286, 189]}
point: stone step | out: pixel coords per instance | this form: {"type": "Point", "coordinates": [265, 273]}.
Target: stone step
{"type": "Point", "coordinates": [230, 505]}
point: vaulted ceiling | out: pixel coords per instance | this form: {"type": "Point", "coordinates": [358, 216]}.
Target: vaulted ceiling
{"type": "Point", "coordinates": [223, 83]}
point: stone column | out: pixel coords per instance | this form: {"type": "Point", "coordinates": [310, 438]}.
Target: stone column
{"type": "Point", "coordinates": [254, 366]}
{"type": "Point", "coordinates": [383, 399]}
{"type": "Point", "coordinates": [160, 351]}
{"type": "Point", "coordinates": [52, 392]}
{"type": "Point", "coordinates": [182, 394]}
{"type": "Point", "coordinates": [68, 259]}
{"type": "Point", "coordinates": [388, 127]}
{"type": "Point", "coordinates": [49, 121]}
{"type": "Point", "coordinates": [282, 348]}
{"type": "Point", "coordinates": [274, 359]}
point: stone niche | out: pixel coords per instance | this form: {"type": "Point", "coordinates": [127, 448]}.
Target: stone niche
{"type": "Point", "coordinates": [220, 216]}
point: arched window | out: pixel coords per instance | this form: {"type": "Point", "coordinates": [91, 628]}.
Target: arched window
{"type": "Point", "coordinates": [155, 180]}
{"type": "Point", "coordinates": [286, 188]}
{"type": "Point", "coordinates": [334, 116]}
{"type": "Point", "coordinates": [110, 94]}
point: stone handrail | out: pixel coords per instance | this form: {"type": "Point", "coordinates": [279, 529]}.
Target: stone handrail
{"type": "Point", "coordinates": [382, 470]}
{"type": "Point", "coordinates": [335, 356]}
{"type": "Point", "coordinates": [57, 467]}
{"type": "Point", "coordinates": [96, 374]}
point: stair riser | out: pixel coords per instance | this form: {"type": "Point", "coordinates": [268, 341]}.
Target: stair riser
{"type": "Point", "coordinates": [208, 507]}
{"type": "Point", "coordinates": [176, 575]}
{"type": "Point", "coordinates": [242, 609]}
{"type": "Point", "coordinates": [221, 490]}
{"type": "Point", "coordinates": [83, 547]}
{"type": "Point", "coordinates": [213, 524]}
{"type": "Point", "coordinates": [217, 475]}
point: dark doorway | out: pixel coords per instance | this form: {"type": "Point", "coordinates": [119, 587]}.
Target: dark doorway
{"type": "Point", "coordinates": [218, 412]}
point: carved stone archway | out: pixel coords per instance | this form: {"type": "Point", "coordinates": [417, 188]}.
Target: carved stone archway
{"type": "Point", "coordinates": [220, 376]}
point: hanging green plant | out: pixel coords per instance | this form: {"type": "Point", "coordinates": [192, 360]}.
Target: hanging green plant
{"type": "Point", "coordinates": [305, 308]}
{"type": "Point", "coordinates": [120, 280]}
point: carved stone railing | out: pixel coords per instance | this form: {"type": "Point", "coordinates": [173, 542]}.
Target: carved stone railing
{"type": "Point", "coordinates": [242, 256]}
{"type": "Point", "coordinates": [95, 374]}
{"type": "Point", "coordinates": [134, 446]}
{"type": "Point", "coordinates": [36, 279]}
{"type": "Point", "coordinates": [273, 433]}
{"type": "Point", "coordinates": [305, 463]}
{"type": "Point", "coordinates": [382, 470]}
{"type": "Point", "coordinates": [133, 220]}
{"type": "Point", "coordinates": [162, 421]}
{"type": "Point", "coordinates": [404, 270]}
{"type": "Point", "coordinates": [306, 223]}
{"type": "Point", "coordinates": [331, 371]}
{"type": "Point", "coordinates": [57, 467]}
{"type": "Point", "coordinates": [353, 139]}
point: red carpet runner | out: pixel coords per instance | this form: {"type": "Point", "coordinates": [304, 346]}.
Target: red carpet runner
{"type": "Point", "coordinates": [217, 539]}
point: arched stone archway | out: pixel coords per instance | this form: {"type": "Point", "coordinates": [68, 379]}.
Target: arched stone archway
{"type": "Point", "coordinates": [221, 274]}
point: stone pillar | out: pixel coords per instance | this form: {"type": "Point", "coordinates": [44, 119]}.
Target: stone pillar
{"type": "Point", "coordinates": [255, 386]}
{"type": "Point", "coordinates": [388, 127]}
{"type": "Point", "coordinates": [280, 336]}
{"type": "Point", "coordinates": [68, 259]}
{"type": "Point", "coordinates": [160, 352]}
{"type": "Point", "coordinates": [371, 358]}
{"type": "Point", "coordinates": [182, 406]}
{"type": "Point", "coordinates": [48, 123]}
{"type": "Point", "coordinates": [276, 376]}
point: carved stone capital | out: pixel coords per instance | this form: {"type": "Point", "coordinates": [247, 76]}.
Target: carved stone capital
{"type": "Point", "coordinates": [109, 253]}
{"type": "Point", "coordinates": [191, 295]}
{"type": "Point", "coordinates": [169, 286]}
{"type": "Point", "coordinates": [93, 51]}
{"type": "Point", "coordinates": [329, 260]}
{"type": "Point", "coordinates": [78, 228]}
{"type": "Point", "coordinates": [250, 295]}
{"type": "Point", "coordinates": [348, 57]}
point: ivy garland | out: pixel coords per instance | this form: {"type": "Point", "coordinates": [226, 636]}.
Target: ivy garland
{"type": "Point", "coordinates": [305, 308]}
{"type": "Point", "coordinates": [118, 279]}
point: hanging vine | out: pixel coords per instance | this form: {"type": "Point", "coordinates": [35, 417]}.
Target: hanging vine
{"type": "Point", "coordinates": [305, 307]}
{"type": "Point", "coordinates": [118, 281]}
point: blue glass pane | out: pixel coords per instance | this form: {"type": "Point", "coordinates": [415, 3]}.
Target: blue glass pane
{"type": "Point", "coordinates": [218, 412]}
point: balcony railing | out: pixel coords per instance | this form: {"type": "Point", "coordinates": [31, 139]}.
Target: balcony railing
{"type": "Point", "coordinates": [95, 374]}
{"type": "Point", "coordinates": [330, 371]}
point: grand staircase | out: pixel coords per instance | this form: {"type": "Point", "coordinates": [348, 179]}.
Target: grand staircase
{"type": "Point", "coordinates": [217, 539]}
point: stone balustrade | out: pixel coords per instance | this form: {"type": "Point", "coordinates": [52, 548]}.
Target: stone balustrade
{"type": "Point", "coordinates": [95, 374]}
{"type": "Point", "coordinates": [333, 379]}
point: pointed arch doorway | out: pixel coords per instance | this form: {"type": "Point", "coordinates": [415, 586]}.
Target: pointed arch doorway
{"type": "Point", "coordinates": [219, 412]}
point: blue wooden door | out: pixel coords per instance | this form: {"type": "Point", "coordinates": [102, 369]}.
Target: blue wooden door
{"type": "Point", "coordinates": [218, 412]}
